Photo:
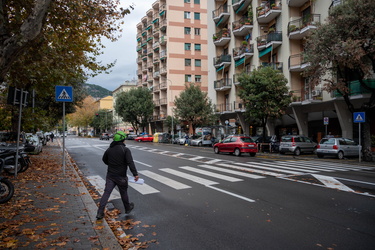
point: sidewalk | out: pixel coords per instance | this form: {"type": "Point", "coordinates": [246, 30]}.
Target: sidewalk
{"type": "Point", "coordinates": [51, 209]}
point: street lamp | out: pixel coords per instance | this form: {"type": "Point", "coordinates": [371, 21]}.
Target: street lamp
{"type": "Point", "coordinates": [170, 87]}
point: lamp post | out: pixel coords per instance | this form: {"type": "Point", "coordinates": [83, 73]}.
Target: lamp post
{"type": "Point", "coordinates": [171, 109]}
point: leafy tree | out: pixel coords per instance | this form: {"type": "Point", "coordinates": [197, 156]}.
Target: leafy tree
{"type": "Point", "coordinates": [169, 122]}
{"type": "Point", "coordinates": [343, 50]}
{"type": "Point", "coordinates": [265, 95]}
{"type": "Point", "coordinates": [84, 114]}
{"type": "Point", "coordinates": [103, 120]}
{"type": "Point", "coordinates": [194, 106]}
{"type": "Point", "coordinates": [136, 107]}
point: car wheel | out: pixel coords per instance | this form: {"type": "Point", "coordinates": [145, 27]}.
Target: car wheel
{"type": "Point", "coordinates": [237, 152]}
{"type": "Point", "coordinates": [340, 155]}
{"type": "Point", "coordinates": [216, 150]}
{"type": "Point", "coordinates": [320, 155]}
{"type": "Point", "coordinates": [252, 154]}
{"type": "Point", "coordinates": [139, 140]}
{"type": "Point", "coordinates": [297, 151]}
{"type": "Point", "coordinates": [200, 144]}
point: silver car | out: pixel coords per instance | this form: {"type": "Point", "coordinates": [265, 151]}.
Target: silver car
{"type": "Point", "coordinates": [339, 147]}
{"type": "Point", "coordinates": [296, 144]}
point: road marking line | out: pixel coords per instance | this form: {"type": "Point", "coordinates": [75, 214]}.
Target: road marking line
{"type": "Point", "coordinates": [232, 194]}
{"type": "Point", "coordinates": [259, 165]}
{"type": "Point", "coordinates": [165, 180]}
{"type": "Point", "coordinates": [332, 183]}
{"type": "Point", "coordinates": [190, 177]}
{"type": "Point", "coordinates": [144, 188]}
{"type": "Point", "coordinates": [218, 176]}
{"type": "Point", "coordinates": [252, 176]}
{"type": "Point", "coordinates": [99, 183]}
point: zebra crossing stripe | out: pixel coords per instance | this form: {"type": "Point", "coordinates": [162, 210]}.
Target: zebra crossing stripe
{"type": "Point", "coordinates": [273, 166]}
{"type": "Point", "coordinates": [252, 170]}
{"type": "Point", "coordinates": [190, 177]}
{"type": "Point", "coordinates": [165, 180]}
{"type": "Point", "coordinates": [99, 183]}
{"type": "Point", "coordinates": [306, 165]}
{"type": "Point", "coordinates": [233, 172]}
{"type": "Point", "coordinates": [144, 188]}
{"type": "Point", "coordinates": [261, 166]}
{"type": "Point", "coordinates": [218, 176]}
{"type": "Point", "coordinates": [213, 161]}
{"type": "Point", "coordinates": [332, 183]}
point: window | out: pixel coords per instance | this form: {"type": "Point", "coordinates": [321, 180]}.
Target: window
{"type": "Point", "coordinates": [187, 31]}
{"type": "Point", "coordinates": [187, 62]}
{"type": "Point", "coordinates": [197, 62]}
{"type": "Point", "coordinates": [186, 1]}
{"type": "Point", "coordinates": [198, 78]}
{"type": "Point", "coordinates": [197, 47]}
{"type": "Point", "coordinates": [187, 15]}
{"type": "Point", "coordinates": [187, 78]}
{"type": "Point", "coordinates": [187, 46]}
{"type": "Point", "coordinates": [197, 31]}
{"type": "Point", "coordinates": [197, 15]}
{"type": "Point", "coordinates": [197, 1]}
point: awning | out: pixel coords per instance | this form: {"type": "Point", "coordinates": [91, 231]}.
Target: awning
{"type": "Point", "coordinates": [220, 68]}
{"type": "Point", "coordinates": [157, 19]}
{"type": "Point", "coordinates": [162, 13]}
{"type": "Point", "coordinates": [239, 62]}
{"type": "Point", "coordinates": [266, 51]}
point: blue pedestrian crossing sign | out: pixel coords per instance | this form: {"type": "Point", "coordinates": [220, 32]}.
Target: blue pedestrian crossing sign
{"type": "Point", "coordinates": [64, 93]}
{"type": "Point", "coordinates": [359, 117]}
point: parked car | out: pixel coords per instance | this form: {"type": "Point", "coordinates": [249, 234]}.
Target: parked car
{"type": "Point", "coordinates": [131, 136]}
{"type": "Point", "coordinates": [237, 145]}
{"type": "Point", "coordinates": [206, 140]}
{"type": "Point", "coordinates": [144, 138]}
{"type": "Point", "coordinates": [104, 136]}
{"type": "Point", "coordinates": [338, 147]}
{"type": "Point", "coordinates": [296, 144]}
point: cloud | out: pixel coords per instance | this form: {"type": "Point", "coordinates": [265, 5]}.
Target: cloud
{"type": "Point", "coordinates": [122, 51]}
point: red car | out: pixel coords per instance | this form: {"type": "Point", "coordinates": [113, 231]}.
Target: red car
{"type": "Point", "coordinates": [236, 145]}
{"type": "Point", "coordinates": [144, 138]}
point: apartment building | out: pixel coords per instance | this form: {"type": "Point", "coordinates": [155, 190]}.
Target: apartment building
{"type": "Point", "coordinates": [172, 51]}
{"type": "Point", "coordinates": [247, 34]}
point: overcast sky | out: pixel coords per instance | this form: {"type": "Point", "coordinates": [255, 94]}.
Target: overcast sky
{"type": "Point", "coordinates": [123, 51]}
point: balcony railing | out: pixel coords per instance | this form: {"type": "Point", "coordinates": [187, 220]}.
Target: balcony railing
{"type": "Point", "coordinates": [222, 60]}
{"type": "Point", "coordinates": [242, 27]}
{"type": "Point", "coordinates": [240, 5]}
{"type": "Point", "coordinates": [222, 37]}
{"type": "Point", "coordinates": [224, 107]}
{"type": "Point", "coordinates": [223, 84]}
{"type": "Point", "coordinates": [221, 15]}
{"type": "Point", "coordinates": [243, 51]}
{"type": "Point", "coordinates": [296, 3]}
{"type": "Point", "coordinates": [355, 88]}
{"type": "Point", "coordinates": [274, 65]}
{"type": "Point", "coordinates": [297, 63]}
{"type": "Point", "coordinates": [274, 38]}
{"type": "Point", "coordinates": [301, 27]}
{"type": "Point", "coordinates": [267, 12]}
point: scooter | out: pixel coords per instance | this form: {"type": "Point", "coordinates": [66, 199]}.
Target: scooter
{"type": "Point", "coordinates": [6, 186]}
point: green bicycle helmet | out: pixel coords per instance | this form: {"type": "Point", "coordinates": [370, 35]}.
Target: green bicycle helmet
{"type": "Point", "coordinates": [119, 136]}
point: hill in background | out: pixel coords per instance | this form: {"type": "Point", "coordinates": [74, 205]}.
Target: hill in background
{"type": "Point", "coordinates": [97, 91]}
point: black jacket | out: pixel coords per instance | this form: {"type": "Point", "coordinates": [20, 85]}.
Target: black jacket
{"type": "Point", "coordinates": [118, 158]}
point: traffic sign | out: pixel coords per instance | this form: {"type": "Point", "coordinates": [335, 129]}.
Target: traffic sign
{"type": "Point", "coordinates": [64, 93]}
{"type": "Point", "coordinates": [326, 120]}
{"type": "Point", "coordinates": [359, 117]}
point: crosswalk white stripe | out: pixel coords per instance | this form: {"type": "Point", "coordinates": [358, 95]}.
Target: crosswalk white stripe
{"type": "Point", "coordinates": [256, 165]}
{"type": "Point", "coordinates": [165, 180]}
{"type": "Point", "coordinates": [144, 188]}
{"type": "Point", "coordinates": [190, 177]}
{"type": "Point", "coordinates": [272, 165]}
{"type": "Point", "coordinates": [305, 166]}
{"type": "Point", "coordinates": [196, 158]}
{"type": "Point", "coordinates": [332, 183]}
{"type": "Point", "coordinates": [233, 172]}
{"type": "Point", "coordinates": [328, 167]}
{"type": "Point", "coordinates": [333, 164]}
{"type": "Point", "coordinates": [213, 161]}
{"type": "Point", "coordinates": [218, 176]}
{"type": "Point", "coordinates": [99, 183]}
{"type": "Point", "coordinates": [251, 170]}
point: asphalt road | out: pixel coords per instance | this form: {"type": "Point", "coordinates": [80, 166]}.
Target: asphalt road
{"type": "Point", "coordinates": [195, 199]}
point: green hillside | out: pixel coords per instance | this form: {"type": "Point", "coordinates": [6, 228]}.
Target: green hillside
{"type": "Point", "coordinates": [97, 91]}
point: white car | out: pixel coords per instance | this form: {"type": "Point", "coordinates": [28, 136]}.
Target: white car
{"type": "Point", "coordinates": [338, 147]}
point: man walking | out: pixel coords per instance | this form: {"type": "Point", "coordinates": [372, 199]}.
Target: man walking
{"type": "Point", "coordinates": [118, 157]}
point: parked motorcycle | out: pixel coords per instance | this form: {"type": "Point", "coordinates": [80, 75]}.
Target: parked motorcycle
{"type": "Point", "coordinates": [9, 157]}
{"type": "Point", "coordinates": [6, 186]}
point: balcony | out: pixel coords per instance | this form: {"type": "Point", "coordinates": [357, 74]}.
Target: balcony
{"type": "Point", "coordinates": [275, 65]}
{"type": "Point", "coordinates": [242, 27]}
{"type": "Point", "coordinates": [163, 25]}
{"type": "Point", "coordinates": [222, 61]}
{"type": "Point", "coordinates": [296, 63]}
{"type": "Point", "coordinates": [156, 59]}
{"type": "Point", "coordinates": [156, 88]}
{"type": "Point", "coordinates": [221, 15]}
{"type": "Point", "coordinates": [273, 39]}
{"type": "Point", "coordinates": [163, 86]}
{"type": "Point", "coordinates": [163, 101]}
{"type": "Point", "coordinates": [296, 3]}
{"type": "Point", "coordinates": [335, 3]}
{"type": "Point", "coordinates": [223, 84]}
{"type": "Point", "coordinates": [240, 5]}
{"type": "Point", "coordinates": [221, 38]}
{"type": "Point", "coordinates": [163, 40]}
{"type": "Point", "coordinates": [156, 45]}
{"type": "Point", "coordinates": [302, 27]}
{"type": "Point", "coordinates": [163, 71]}
{"type": "Point", "coordinates": [163, 55]}
{"type": "Point", "coordinates": [224, 108]}
{"type": "Point", "coordinates": [268, 12]}
{"type": "Point", "coordinates": [150, 65]}
{"type": "Point", "coordinates": [245, 51]}
{"type": "Point", "coordinates": [156, 74]}
{"type": "Point", "coordinates": [156, 32]}
{"type": "Point", "coordinates": [356, 89]}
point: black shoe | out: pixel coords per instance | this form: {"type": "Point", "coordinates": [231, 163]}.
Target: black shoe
{"type": "Point", "coordinates": [131, 205]}
{"type": "Point", "coordinates": [99, 216]}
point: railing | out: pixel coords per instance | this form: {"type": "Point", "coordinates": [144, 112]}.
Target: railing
{"type": "Point", "coordinates": [243, 21]}
{"type": "Point", "coordinates": [163, 101]}
{"type": "Point", "coordinates": [222, 33]}
{"type": "Point", "coordinates": [224, 107]}
{"type": "Point", "coordinates": [265, 8]}
{"type": "Point", "coordinates": [222, 59]}
{"type": "Point", "coordinates": [298, 24]}
{"type": "Point", "coordinates": [271, 37]}
{"type": "Point", "coordinates": [296, 60]}
{"type": "Point", "coordinates": [274, 65]}
{"type": "Point", "coordinates": [238, 51]}
{"type": "Point", "coordinates": [222, 9]}
{"type": "Point", "coordinates": [225, 82]}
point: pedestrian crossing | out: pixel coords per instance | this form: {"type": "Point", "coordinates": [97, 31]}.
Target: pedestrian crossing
{"type": "Point", "coordinates": [211, 175]}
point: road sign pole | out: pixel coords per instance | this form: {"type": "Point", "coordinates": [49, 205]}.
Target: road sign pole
{"type": "Point", "coordinates": [64, 138]}
{"type": "Point", "coordinates": [359, 136]}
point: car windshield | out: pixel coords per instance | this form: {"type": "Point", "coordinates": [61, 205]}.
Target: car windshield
{"type": "Point", "coordinates": [327, 141]}
{"type": "Point", "coordinates": [246, 139]}
{"type": "Point", "coordinates": [286, 139]}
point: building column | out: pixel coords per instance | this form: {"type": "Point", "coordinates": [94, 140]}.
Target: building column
{"type": "Point", "coordinates": [345, 118]}
{"type": "Point", "coordinates": [270, 126]}
{"type": "Point", "coordinates": [301, 119]}
{"type": "Point", "coordinates": [244, 124]}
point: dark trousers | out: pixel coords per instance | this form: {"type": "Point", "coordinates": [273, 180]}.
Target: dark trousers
{"type": "Point", "coordinates": [111, 182]}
